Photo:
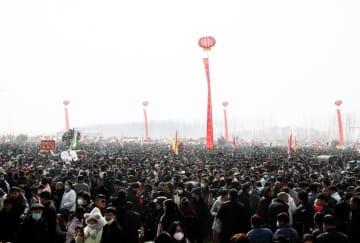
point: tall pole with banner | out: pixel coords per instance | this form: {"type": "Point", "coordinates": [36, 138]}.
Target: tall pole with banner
{"type": "Point", "coordinates": [66, 103]}
{"type": "Point", "coordinates": [145, 104]}
{"type": "Point", "coordinates": [225, 104]}
{"type": "Point", "coordinates": [340, 126]}
{"type": "Point", "coordinates": [206, 43]}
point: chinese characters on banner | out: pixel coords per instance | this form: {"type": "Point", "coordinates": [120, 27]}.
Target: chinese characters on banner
{"type": "Point", "coordinates": [47, 145]}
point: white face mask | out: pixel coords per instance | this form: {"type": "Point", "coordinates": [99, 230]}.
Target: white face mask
{"type": "Point", "coordinates": [80, 201]}
{"type": "Point", "coordinates": [110, 221]}
{"type": "Point", "coordinates": [178, 236]}
{"type": "Point", "coordinates": [180, 191]}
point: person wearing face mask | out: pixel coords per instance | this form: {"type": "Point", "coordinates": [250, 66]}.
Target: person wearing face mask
{"type": "Point", "coordinates": [3, 183]}
{"type": "Point", "coordinates": [34, 229]}
{"type": "Point", "coordinates": [112, 231]}
{"type": "Point", "coordinates": [284, 228]}
{"type": "Point", "coordinates": [49, 213]}
{"type": "Point", "coordinates": [84, 200]}
{"type": "Point", "coordinates": [178, 232]}
{"type": "Point", "coordinates": [68, 200]}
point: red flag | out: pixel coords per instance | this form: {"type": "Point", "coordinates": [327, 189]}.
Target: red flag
{"type": "Point", "coordinates": [175, 145]}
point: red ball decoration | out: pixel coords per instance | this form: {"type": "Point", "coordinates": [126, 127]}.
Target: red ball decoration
{"type": "Point", "coordinates": [207, 42]}
{"type": "Point", "coordinates": [225, 103]}
{"type": "Point", "coordinates": [338, 102]}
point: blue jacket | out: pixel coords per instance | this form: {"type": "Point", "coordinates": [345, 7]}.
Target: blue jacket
{"type": "Point", "coordinates": [260, 234]}
{"type": "Point", "coordinates": [289, 232]}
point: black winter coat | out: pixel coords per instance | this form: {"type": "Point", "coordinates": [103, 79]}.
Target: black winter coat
{"type": "Point", "coordinates": [332, 236]}
{"type": "Point", "coordinates": [32, 231]}
{"type": "Point", "coordinates": [276, 206]}
{"type": "Point", "coordinates": [235, 218]}
{"type": "Point", "coordinates": [112, 233]}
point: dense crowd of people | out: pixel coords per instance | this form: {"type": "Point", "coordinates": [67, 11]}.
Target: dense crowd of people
{"type": "Point", "coordinates": [145, 193]}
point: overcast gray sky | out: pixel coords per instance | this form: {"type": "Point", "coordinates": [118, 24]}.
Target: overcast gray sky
{"type": "Point", "coordinates": [275, 62]}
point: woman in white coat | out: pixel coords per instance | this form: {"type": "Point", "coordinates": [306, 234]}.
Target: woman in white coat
{"type": "Point", "coordinates": [68, 200]}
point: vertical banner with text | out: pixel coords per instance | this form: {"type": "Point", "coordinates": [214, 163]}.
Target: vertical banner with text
{"type": "Point", "coordinates": [209, 125]}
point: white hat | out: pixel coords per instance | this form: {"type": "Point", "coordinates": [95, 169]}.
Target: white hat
{"type": "Point", "coordinates": [95, 216]}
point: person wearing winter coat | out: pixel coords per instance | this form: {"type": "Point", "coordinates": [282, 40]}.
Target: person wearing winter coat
{"type": "Point", "coordinates": [34, 229]}
{"type": "Point", "coordinates": [234, 217]}
{"type": "Point", "coordinates": [216, 226]}
{"type": "Point", "coordinates": [92, 232]}
{"type": "Point", "coordinates": [171, 214]}
{"type": "Point", "coordinates": [285, 229]}
{"type": "Point", "coordinates": [278, 205]}
{"type": "Point", "coordinates": [76, 221]}
{"type": "Point", "coordinates": [68, 200]}
{"type": "Point", "coordinates": [264, 202]}
{"type": "Point", "coordinates": [112, 231]}
{"type": "Point", "coordinates": [202, 215]}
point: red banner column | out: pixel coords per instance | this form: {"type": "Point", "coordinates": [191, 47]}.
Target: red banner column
{"type": "Point", "coordinates": [66, 103]}
{"type": "Point", "coordinates": [145, 104]}
{"type": "Point", "coordinates": [209, 125]}
{"type": "Point", "coordinates": [341, 133]}
{"type": "Point", "coordinates": [225, 104]}
{"type": "Point", "coordinates": [206, 43]}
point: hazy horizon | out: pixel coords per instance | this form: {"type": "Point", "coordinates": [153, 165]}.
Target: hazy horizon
{"type": "Point", "coordinates": [280, 64]}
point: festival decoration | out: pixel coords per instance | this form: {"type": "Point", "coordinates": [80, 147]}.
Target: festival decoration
{"type": "Point", "coordinates": [66, 103]}
{"type": "Point", "coordinates": [145, 104]}
{"type": "Point", "coordinates": [225, 104]}
{"type": "Point", "coordinates": [338, 103]}
{"type": "Point", "coordinates": [175, 144]}
{"type": "Point", "coordinates": [47, 145]}
{"type": "Point", "coordinates": [206, 43]}
{"type": "Point", "coordinates": [291, 143]}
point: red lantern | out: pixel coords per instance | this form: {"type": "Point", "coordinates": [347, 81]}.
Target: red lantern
{"type": "Point", "coordinates": [207, 42]}
{"type": "Point", "coordinates": [66, 102]}
{"type": "Point", "coordinates": [145, 103]}
{"type": "Point", "coordinates": [338, 102]}
{"type": "Point", "coordinates": [225, 103]}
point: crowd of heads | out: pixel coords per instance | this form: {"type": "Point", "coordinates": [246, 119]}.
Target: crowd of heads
{"type": "Point", "coordinates": [117, 177]}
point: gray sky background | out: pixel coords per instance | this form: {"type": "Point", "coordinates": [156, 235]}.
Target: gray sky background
{"type": "Point", "coordinates": [276, 62]}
